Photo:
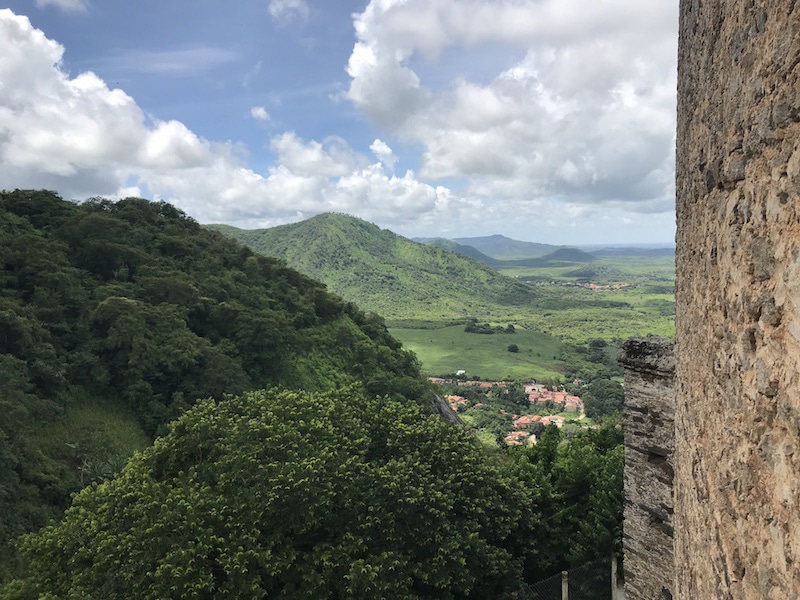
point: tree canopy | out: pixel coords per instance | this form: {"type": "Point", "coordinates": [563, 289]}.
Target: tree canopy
{"type": "Point", "coordinates": [285, 494]}
{"type": "Point", "coordinates": [603, 398]}
{"type": "Point", "coordinates": [132, 309]}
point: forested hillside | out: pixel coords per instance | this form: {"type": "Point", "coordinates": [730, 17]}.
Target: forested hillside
{"type": "Point", "coordinates": [385, 272]}
{"type": "Point", "coordinates": [115, 317]}
{"type": "Point", "coordinates": [298, 453]}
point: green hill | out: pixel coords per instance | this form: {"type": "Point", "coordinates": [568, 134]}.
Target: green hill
{"type": "Point", "coordinates": [561, 256]}
{"type": "Point", "coordinates": [572, 255]}
{"type": "Point", "coordinates": [116, 317]}
{"type": "Point", "coordinates": [305, 460]}
{"type": "Point", "coordinates": [463, 250]}
{"type": "Point", "coordinates": [384, 272]}
{"type": "Point", "coordinates": [504, 248]}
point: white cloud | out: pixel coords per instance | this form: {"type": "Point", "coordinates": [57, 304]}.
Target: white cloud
{"type": "Point", "coordinates": [334, 158]}
{"type": "Point", "coordinates": [525, 146]}
{"type": "Point", "coordinates": [259, 113]}
{"type": "Point", "coordinates": [586, 115]}
{"type": "Point", "coordinates": [170, 61]}
{"type": "Point", "coordinates": [75, 135]}
{"type": "Point", "coordinates": [384, 154]}
{"type": "Point", "coordinates": [65, 5]}
{"type": "Point", "coordinates": [284, 11]}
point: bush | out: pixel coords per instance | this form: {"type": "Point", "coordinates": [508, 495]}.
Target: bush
{"type": "Point", "coordinates": [280, 494]}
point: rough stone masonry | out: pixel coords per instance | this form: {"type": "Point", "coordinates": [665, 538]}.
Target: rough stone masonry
{"type": "Point", "coordinates": [649, 441]}
{"type": "Point", "coordinates": [737, 452]}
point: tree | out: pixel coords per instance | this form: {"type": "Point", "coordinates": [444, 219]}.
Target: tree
{"type": "Point", "coordinates": [513, 348]}
{"type": "Point", "coordinates": [285, 494]}
{"type": "Point", "coordinates": [579, 497]}
{"type": "Point", "coordinates": [603, 398]}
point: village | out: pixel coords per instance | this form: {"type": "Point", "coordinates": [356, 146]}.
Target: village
{"type": "Point", "coordinates": [519, 426]}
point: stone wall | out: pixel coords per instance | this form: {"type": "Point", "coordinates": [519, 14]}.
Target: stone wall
{"type": "Point", "coordinates": [737, 454]}
{"type": "Point", "coordinates": [649, 441]}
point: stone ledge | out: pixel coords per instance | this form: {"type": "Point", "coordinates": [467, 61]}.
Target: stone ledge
{"type": "Point", "coordinates": [649, 354]}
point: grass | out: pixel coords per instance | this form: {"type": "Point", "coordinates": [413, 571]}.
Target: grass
{"type": "Point", "coordinates": [93, 430]}
{"type": "Point", "coordinates": [563, 310]}
{"type": "Point", "coordinates": [448, 349]}
{"type": "Point", "coordinates": [486, 438]}
{"type": "Point", "coordinates": [609, 270]}
{"type": "Point", "coordinates": [578, 315]}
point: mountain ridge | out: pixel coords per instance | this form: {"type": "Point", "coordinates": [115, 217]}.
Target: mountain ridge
{"type": "Point", "coordinates": [385, 272]}
{"type": "Point", "coordinates": [501, 247]}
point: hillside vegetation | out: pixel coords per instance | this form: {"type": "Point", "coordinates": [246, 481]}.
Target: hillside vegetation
{"type": "Point", "coordinates": [298, 453]}
{"type": "Point", "coordinates": [384, 272]}
{"type": "Point", "coordinates": [447, 349]}
{"type": "Point", "coordinates": [115, 317]}
{"type": "Point", "coordinates": [419, 288]}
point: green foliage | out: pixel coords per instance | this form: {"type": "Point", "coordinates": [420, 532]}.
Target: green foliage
{"type": "Point", "coordinates": [134, 310]}
{"type": "Point", "coordinates": [474, 327]}
{"type": "Point", "coordinates": [513, 348]}
{"type": "Point", "coordinates": [115, 317]}
{"type": "Point", "coordinates": [386, 273]}
{"type": "Point", "coordinates": [292, 495]}
{"type": "Point", "coordinates": [603, 398]}
{"type": "Point", "coordinates": [405, 281]}
{"type": "Point", "coordinates": [580, 491]}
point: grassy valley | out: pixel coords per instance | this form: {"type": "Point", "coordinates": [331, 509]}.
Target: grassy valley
{"type": "Point", "coordinates": [571, 308]}
{"type": "Point", "coordinates": [446, 349]}
{"type": "Point", "coordinates": [429, 291]}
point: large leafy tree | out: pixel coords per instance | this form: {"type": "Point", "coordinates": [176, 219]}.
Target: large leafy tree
{"type": "Point", "coordinates": [284, 494]}
{"type": "Point", "coordinates": [576, 488]}
{"type": "Point", "coordinates": [603, 398]}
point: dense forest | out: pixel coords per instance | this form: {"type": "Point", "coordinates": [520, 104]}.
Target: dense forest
{"type": "Point", "coordinates": [284, 444]}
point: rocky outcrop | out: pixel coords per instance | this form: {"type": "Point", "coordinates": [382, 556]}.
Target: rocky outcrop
{"type": "Point", "coordinates": [737, 454]}
{"type": "Point", "coordinates": [444, 410]}
{"type": "Point", "coordinates": [649, 441]}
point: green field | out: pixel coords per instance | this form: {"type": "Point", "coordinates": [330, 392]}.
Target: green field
{"type": "Point", "coordinates": [606, 270]}
{"type": "Point", "coordinates": [448, 349]}
{"type": "Point", "coordinates": [559, 312]}
{"type": "Point", "coordinates": [578, 315]}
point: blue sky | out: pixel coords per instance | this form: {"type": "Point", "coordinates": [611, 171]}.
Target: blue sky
{"type": "Point", "coordinates": [544, 120]}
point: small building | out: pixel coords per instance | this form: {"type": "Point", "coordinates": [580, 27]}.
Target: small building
{"type": "Point", "coordinates": [517, 438]}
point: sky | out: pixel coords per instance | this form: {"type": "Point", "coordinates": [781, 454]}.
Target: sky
{"type": "Point", "coordinates": [544, 120]}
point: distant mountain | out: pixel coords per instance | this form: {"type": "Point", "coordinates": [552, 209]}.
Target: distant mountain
{"type": "Point", "coordinates": [468, 251]}
{"type": "Point", "coordinates": [384, 272]}
{"type": "Point", "coordinates": [633, 251]}
{"type": "Point", "coordinates": [557, 255]}
{"type": "Point", "coordinates": [504, 248]}
{"type": "Point", "coordinates": [570, 255]}
{"type": "Point", "coordinates": [561, 257]}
